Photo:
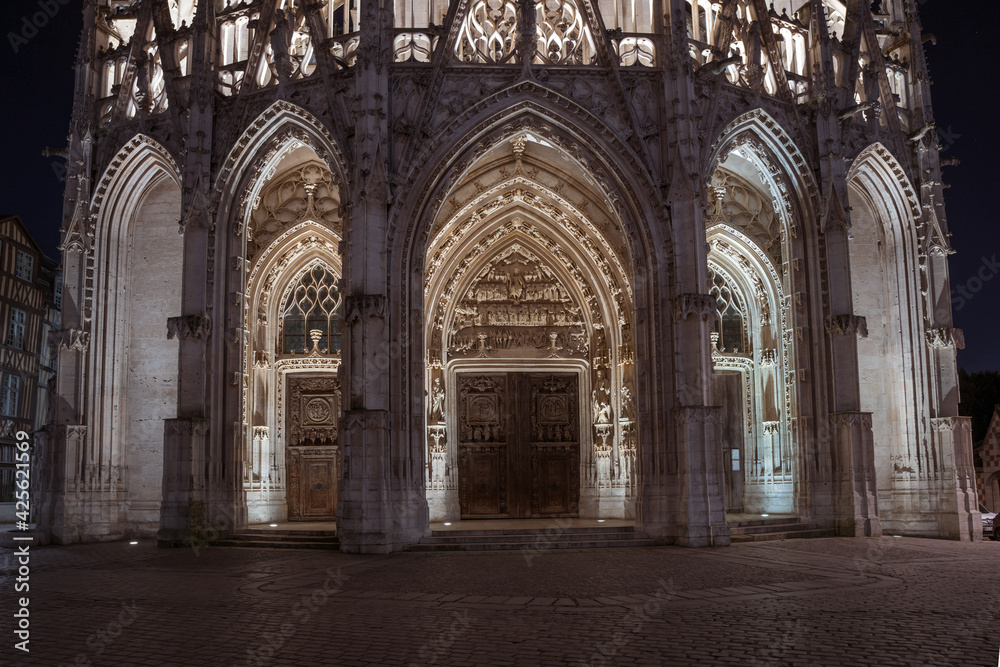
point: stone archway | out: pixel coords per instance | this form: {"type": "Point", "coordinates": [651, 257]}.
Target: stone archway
{"type": "Point", "coordinates": [291, 353]}
{"type": "Point", "coordinates": [754, 344]}
{"type": "Point", "coordinates": [528, 308]}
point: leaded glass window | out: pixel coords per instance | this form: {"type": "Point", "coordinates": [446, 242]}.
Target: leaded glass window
{"type": "Point", "coordinates": [729, 320]}
{"type": "Point", "coordinates": [314, 305]}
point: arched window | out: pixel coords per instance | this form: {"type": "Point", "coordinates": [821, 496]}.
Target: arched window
{"type": "Point", "coordinates": [729, 322]}
{"type": "Point", "coordinates": [314, 305]}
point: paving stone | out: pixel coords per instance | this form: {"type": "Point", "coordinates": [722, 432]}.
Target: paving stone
{"type": "Point", "coordinates": [924, 602]}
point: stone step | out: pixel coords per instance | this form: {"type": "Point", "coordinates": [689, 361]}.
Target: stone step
{"type": "Point", "coordinates": [585, 530]}
{"type": "Point", "coordinates": [784, 535]}
{"type": "Point", "coordinates": [527, 538]}
{"type": "Point", "coordinates": [771, 528]}
{"type": "Point", "coordinates": [766, 521]}
{"type": "Point", "coordinates": [275, 544]}
{"type": "Point", "coordinates": [533, 546]}
{"type": "Point", "coordinates": [283, 539]}
{"type": "Point", "coordinates": [263, 532]}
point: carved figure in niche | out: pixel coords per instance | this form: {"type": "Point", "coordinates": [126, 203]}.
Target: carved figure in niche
{"type": "Point", "coordinates": [628, 405]}
{"type": "Point", "coordinates": [601, 399]}
{"type": "Point", "coordinates": [602, 411]}
{"type": "Point", "coordinates": [437, 401]}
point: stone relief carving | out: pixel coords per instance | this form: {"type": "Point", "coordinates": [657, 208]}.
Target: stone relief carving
{"type": "Point", "coordinates": [313, 410]}
{"type": "Point", "coordinates": [517, 304]}
{"type": "Point", "coordinates": [701, 306]}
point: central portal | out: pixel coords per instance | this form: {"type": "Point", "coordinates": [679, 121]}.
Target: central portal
{"type": "Point", "coordinates": [518, 445]}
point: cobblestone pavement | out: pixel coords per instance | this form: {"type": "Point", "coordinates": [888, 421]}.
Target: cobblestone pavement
{"type": "Point", "coordinates": [888, 601]}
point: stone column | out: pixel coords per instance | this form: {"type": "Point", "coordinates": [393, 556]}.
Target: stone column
{"type": "Point", "coordinates": [183, 512]}
{"type": "Point", "coordinates": [854, 474]}
{"type": "Point", "coordinates": [381, 505]}
{"type": "Point", "coordinates": [851, 441]}
{"type": "Point", "coordinates": [958, 508]}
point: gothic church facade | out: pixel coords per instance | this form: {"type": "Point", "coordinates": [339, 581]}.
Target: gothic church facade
{"type": "Point", "coordinates": [388, 264]}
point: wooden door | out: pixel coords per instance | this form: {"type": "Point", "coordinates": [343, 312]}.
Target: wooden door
{"type": "Point", "coordinates": [518, 445]}
{"type": "Point", "coordinates": [554, 449]}
{"type": "Point", "coordinates": [312, 454]}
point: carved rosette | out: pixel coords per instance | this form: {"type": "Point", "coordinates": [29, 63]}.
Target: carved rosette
{"type": "Point", "coordinates": [847, 325]}
{"type": "Point", "coordinates": [313, 410]}
{"type": "Point", "coordinates": [189, 326]}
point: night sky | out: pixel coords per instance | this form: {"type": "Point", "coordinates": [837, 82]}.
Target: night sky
{"type": "Point", "coordinates": [37, 89]}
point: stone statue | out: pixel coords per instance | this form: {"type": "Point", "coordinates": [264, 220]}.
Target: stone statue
{"type": "Point", "coordinates": [437, 402]}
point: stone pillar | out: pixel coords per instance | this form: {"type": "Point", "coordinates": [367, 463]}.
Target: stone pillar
{"type": "Point", "coordinates": [681, 478]}
{"type": "Point", "coordinates": [183, 512]}
{"type": "Point", "coordinates": [700, 520]}
{"type": "Point", "coordinates": [854, 474]}
{"type": "Point", "coordinates": [381, 504]}
{"type": "Point", "coordinates": [958, 506]}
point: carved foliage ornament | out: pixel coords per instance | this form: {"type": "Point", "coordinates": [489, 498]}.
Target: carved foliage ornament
{"type": "Point", "coordinates": [946, 337]}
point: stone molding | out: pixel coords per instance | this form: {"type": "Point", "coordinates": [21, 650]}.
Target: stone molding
{"type": "Point", "coordinates": [366, 419]}
{"type": "Point", "coordinates": [701, 305]}
{"type": "Point", "coordinates": [951, 424]}
{"type": "Point", "coordinates": [847, 325]}
{"type": "Point", "coordinates": [363, 306]}
{"type": "Point", "coordinates": [71, 339]}
{"type": "Point", "coordinates": [863, 419]}
{"type": "Point", "coordinates": [189, 326]}
{"type": "Point", "coordinates": [946, 337]}
{"type": "Point", "coordinates": [186, 426]}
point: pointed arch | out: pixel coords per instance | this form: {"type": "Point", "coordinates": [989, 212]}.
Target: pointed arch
{"type": "Point", "coordinates": [132, 377]}
{"type": "Point", "coordinates": [876, 165]}
{"type": "Point", "coordinates": [759, 155]}
{"type": "Point", "coordinates": [587, 140]}
{"type": "Point", "coordinates": [886, 289]}
{"type": "Point", "coordinates": [282, 127]}
{"type": "Point", "coordinates": [758, 135]}
{"type": "Point", "coordinates": [267, 475]}
{"type": "Point", "coordinates": [502, 174]}
{"type": "Point", "coordinates": [141, 159]}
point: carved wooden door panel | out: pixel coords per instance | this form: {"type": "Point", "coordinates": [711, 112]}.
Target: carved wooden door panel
{"type": "Point", "coordinates": [483, 446]}
{"type": "Point", "coordinates": [313, 457]}
{"type": "Point", "coordinates": [554, 445]}
{"type": "Point", "coordinates": [518, 445]}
